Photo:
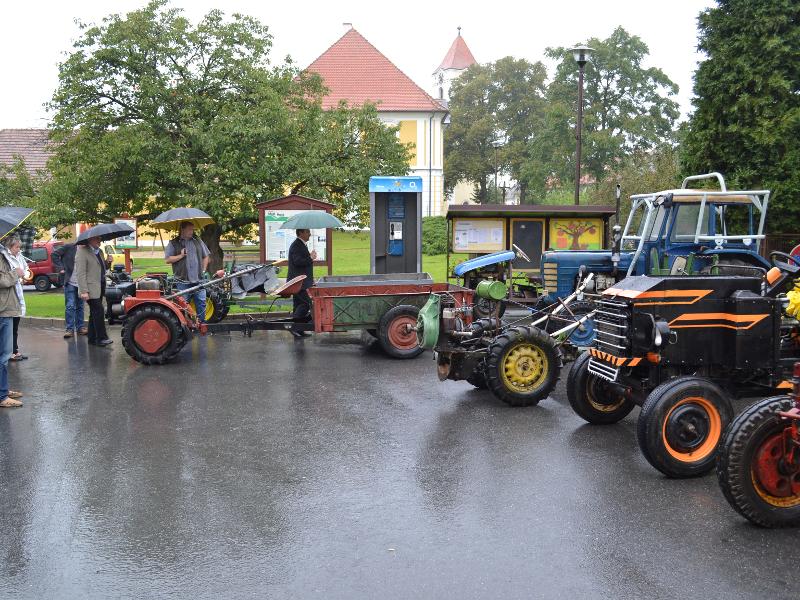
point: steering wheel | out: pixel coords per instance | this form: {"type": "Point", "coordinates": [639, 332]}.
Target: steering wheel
{"type": "Point", "coordinates": [784, 266]}
{"type": "Point", "coordinates": [524, 256]}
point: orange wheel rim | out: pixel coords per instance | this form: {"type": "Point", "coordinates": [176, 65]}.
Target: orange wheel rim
{"type": "Point", "coordinates": [708, 444]}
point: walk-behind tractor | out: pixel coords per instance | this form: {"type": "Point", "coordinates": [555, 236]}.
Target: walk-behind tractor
{"type": "Point", "coordinates": [520, 363]}
{"type": "Point", "coordinates": [682, 347]}
{"type": "Point", "coordinates": [158, 325]}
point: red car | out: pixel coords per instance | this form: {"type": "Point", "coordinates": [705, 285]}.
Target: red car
{"type": "Point", "coordinates": [40, 265]}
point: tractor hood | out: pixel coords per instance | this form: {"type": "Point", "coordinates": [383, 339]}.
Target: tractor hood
{"type": "Point", "coordinates": [680, 289]}
{"type": "Point", "coordinates": [594, 260]}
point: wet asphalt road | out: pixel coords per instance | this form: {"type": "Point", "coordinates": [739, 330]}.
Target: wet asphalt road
{"type": "Point", "coordinates": [268, 467]}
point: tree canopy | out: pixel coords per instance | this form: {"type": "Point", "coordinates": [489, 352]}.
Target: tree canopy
{"type": "Point", "coordinates": [746, 122]}
{"type": "Point", "coordinates": [153, 112]}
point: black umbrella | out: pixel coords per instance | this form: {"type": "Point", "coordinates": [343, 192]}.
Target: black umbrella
{"type": "Point", "coordinates": [105, 231]}
{"type": "Point", "coordinates": [12, 217]}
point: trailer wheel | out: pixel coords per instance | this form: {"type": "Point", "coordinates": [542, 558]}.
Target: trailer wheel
{"type": "Point", "coordinates": [152, 334]}
{"type": "Point", "coordinates": [397, 332]}
{"type": "Point", "coordinates": [755, 479]}
{"type": "Point", "coordinates": [592, 398]}
{"type": "Point", "coordinates": [681, 425]}
{"type": "Point", "coordinates": [522, 366]}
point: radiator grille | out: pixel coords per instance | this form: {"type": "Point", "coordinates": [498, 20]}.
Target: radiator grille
{"type": "Point", "coordinates": [612, 323]}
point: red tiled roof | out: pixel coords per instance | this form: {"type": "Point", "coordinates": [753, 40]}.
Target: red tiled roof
{"type": "Point", "coordinates": [458, 57]}
{"type": "Point", "coordinates": [355, 71]}
{"type": "Point", "coordinates": [30, 144]}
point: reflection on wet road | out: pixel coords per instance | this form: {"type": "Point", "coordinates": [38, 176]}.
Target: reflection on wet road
{"type": "Point", "coordinates": [269, 467]}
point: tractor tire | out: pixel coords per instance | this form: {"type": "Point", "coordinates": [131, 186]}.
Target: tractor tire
{"type": "Point", "coordinates": [593, 398]}
{"type": "Point", "coordinates": [681, 424]}
{"type": "Point", "coordinates": [759, 489]}
{"type": "Point", "coordinates": [484, 308]}
{"type": "Point", "coordinates": [152, 334]}
{"type": "Point", "coordinates": [41, 283]}
{"type": "Point", "coordinates": [578, 338]}
{"type": "Point", "coordinates": [397, 332]}
{"type": "Point", "coordinates": [221, 308]}
{"type": "Point", "coordinates": [522, 366]}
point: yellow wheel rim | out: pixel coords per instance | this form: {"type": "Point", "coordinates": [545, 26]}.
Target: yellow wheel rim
{"type": "Point", "coordinates": [209, 308]}
{"type": "Point", "coordinates": [524, 368]}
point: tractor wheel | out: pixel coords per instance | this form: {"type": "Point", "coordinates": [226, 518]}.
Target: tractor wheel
{"type": "Point", "coordinates": [681, 425]}
{"type": "Point", "coordinates": [397, 332]}
{"type": "Point", "coordinates": [522, 366]}
{"type": "Point", "coordinates": [216, 309]}
{"type": "Point", "coordinates": [484, 308]}
{"type": "Point", "coordinates": [592, 398]}
{"type": "Point", "coordinates": [41, 283]}
{"type": "Point", "coordinates": [152, 334]}
{"type": "Point", "coordinates": [753, 474]}
{"type": "Point", "coordinates": [583, 336]}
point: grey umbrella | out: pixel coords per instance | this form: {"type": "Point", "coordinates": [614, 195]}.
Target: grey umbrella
{"type": "Point", "coordinates": [12, 217]}
{"type": "Point", "coordinates": [105, 231]}
{"type": "Point", "coordinates": [312, 219]}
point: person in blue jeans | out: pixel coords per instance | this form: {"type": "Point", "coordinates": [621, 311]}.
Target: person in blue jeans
{"type": "Point", "coordinates": [189, 258]}
{"type": "Point", "coordinates": [9, 308]}
{"type": "Point", "coordinates": [64, 262]}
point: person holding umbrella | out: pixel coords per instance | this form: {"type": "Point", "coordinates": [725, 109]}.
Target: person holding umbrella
{"type": "Point", "coordinates": [90, 272]}
{"type": "Point", "coordinates": [301, 261]}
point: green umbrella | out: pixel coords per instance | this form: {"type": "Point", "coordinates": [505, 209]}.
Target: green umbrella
{"type": "Point", "coordinates": [312, 219]}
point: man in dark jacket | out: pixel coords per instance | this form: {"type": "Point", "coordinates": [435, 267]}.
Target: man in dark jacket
{"type": "Point", "coordinates": [301, 262]}
{"type": "Point", "coordinates": [64, 263]}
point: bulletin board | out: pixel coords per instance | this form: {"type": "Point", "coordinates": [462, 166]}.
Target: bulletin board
{"type": "Point", "coordinates": [278, 240]}
{"type": "Point", "coordinates": [479, 235]}
{"type": "Point", "coordinates": [576, 234]}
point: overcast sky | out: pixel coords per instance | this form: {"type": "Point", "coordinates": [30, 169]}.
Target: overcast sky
{"type": "Point", "coordinates": [415, 35]}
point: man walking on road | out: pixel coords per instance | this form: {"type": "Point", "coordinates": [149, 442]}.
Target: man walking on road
{"type": "Point", "coordinates": [189, 258]}
{"type": "Point", "coordinates": [64, 262]}
{"type": "Point", "coordinates": [301, 262]}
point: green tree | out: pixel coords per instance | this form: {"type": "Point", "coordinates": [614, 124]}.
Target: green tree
{"type": "Point", "coordinates": [627, 108]}
{"type": "Point", "coordinates": [152, 112]}
{"type": "Point", "coordinates": [746, 122]}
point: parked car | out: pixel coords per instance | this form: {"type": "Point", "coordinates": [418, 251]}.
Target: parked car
{"type": "Point", "coordinates": [42, 273]}
{"type": "Point", "coordinates": [114, 256]}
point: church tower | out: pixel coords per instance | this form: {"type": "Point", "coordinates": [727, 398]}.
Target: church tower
{"type": "Point", "coordinates": [456, 61]}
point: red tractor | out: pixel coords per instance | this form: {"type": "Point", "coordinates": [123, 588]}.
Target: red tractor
{"type": "Point", "coordinates": [759, 460]}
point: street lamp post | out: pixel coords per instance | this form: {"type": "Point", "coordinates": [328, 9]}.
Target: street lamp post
{"type": "Point", "coordinates": [496, 144]}
{"type": "Point", "coordinates": [581, 54]}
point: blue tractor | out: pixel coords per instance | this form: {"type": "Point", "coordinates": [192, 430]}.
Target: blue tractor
{"type": "Point", "coordinates": [673, 232]}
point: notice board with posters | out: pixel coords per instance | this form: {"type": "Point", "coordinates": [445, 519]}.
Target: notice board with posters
{"type": "Point", "coordinates": [129, 241]}
{"type": "Point", "coordinates": [476, 236]}
{"type": "Point", "coordinates": [278, 240]}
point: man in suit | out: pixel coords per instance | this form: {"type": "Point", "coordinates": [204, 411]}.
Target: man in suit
{"type": "Point", "coordinates": [90, 267]}
{"type": "Point", "coordinates": [64, 263]}
{"type": "Point", "coordinates": [301, 262]}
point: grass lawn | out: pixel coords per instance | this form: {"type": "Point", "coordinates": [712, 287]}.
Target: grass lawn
{"type": "Point", "coordinates": [350, 257]}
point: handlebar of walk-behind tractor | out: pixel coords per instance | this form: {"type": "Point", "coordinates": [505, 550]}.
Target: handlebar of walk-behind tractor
{"type": "Point", "coordinates": [210, 282]}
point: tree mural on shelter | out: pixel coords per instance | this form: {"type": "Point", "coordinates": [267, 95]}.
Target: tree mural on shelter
{"type": "Point", "coordinates": [574, 230]}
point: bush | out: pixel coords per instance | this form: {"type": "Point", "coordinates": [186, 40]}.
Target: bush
{"type": "Point", "coordinates": [434, 235]}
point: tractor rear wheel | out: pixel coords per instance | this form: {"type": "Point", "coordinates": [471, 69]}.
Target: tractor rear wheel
{"type": "Point", "coordinates": [216, 308]}
{"type": "Point", "coordinates": [681, 425]}
{"type": "Point", "coordinates": [397, 332]}
{"type": "Point", "coordinates": [592, 398]}
{"type": "Point", "coordinates": [152, 334]}
{"type": "Point", "coordinates": [754, 476]}
{"type": "Point", "coordinates": [522, 366]}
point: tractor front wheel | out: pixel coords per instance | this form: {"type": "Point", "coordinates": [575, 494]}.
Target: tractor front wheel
{"type": "Point", "coordinates": [681, 424]}
{"type": "Point", "coordinates": [152, 334]}
{"type": "Point", "coordinates": [522, 366]}
{"type": "Point", "coordinates": [397, 332]}
{"type": "Point", "coordinates": [758, 477]}
{"type": "Point", "coordinates": [594, 399]}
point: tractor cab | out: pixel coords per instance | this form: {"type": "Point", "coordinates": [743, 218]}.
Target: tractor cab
{"type": "Point", "coordinates": [675, 232]}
